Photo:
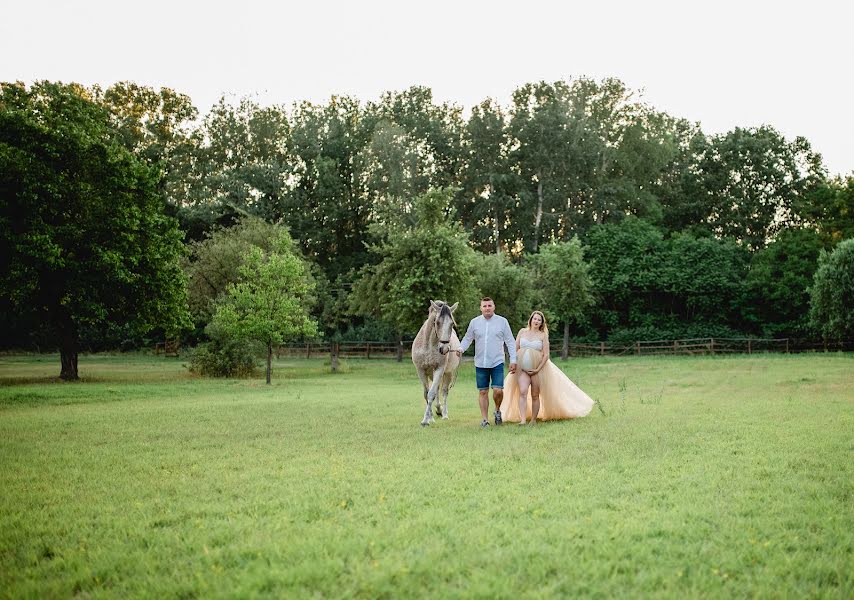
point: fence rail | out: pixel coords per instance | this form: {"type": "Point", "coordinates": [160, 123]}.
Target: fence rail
{"type": "Point", "coordinates": [692, 346]}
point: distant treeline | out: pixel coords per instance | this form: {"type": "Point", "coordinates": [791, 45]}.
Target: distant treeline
{"type": "Point", "coordinates": [682, 234]}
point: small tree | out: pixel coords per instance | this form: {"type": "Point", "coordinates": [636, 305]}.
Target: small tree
{"type": "Point", "coordinates": [270, 303]}
{"type": "Point", "coordinates": [832, 294]}
{"type": "Point", "coordinates": [429, 261]}
{"type": "Point", "coordinates": [565, 283]}
{"type": "Point", "coordinates": [215, 261]}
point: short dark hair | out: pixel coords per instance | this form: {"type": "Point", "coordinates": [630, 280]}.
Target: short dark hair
{"type": "Point", "coordinates": [487, 299]}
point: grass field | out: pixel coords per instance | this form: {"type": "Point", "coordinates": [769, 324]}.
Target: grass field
{"type": "Point", "coordinates": [698, 477]}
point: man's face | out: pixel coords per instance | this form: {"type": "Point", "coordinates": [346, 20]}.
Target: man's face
{"type": "Point", "coordinates": [487, 309]}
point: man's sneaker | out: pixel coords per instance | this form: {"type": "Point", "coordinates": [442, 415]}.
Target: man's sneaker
{"type": "Point", "coordinates": [484, 424]}
{"type": "Point", "coordinates": [498, 420]}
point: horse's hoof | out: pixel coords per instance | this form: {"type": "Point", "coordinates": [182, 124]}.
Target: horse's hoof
{"type": "Point", "coordinates": [425, 424]}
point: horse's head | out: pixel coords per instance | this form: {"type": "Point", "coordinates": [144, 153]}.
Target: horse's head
{"type": "Point", "coordinates": [443, 323]}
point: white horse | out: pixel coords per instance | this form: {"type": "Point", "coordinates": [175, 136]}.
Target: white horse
{"type": "Point", "coordinates": [434, 356]}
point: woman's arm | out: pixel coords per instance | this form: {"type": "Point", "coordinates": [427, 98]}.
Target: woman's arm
{"type": "Point", "coordinates": [545, 357]}
{"type": "Point", "coordinates": [518, 338]}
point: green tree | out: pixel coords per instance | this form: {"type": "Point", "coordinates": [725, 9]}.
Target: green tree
{"type": "Point", "coordinates": [490, 186]}
{"type": "Point", "coordinates": [777, 286]}
{"type": "Point", "coordinates": [509, 285]}
{"type": "Point", "coordinates": [214, 262]}
{"type": "Point", "coordinates": [832, 294]}
{"type": "Point", "coordinates": [627, 270]}
{"type": "Point", "coordinates": [430, 261]}
{"type": "Point", "coordinates": [270, 302]}
{"type": "Point", "coordinates": [565, 281]}
{"type": "Point", "coordinates": [327, 206]}
{"type": "Point", "coordinates": [746, 184]}
{"type": "Point", "coordinates": [81, 222]}
{"type": "Point", "coordinates": [152, 123]}
{"type": "Point", "coordinates": [829, 207]}
{"type": "Point", "coordinates": [540, 125]}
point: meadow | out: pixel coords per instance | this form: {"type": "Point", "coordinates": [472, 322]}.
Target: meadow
{"type": "Point", "coordinates": [694, 477]}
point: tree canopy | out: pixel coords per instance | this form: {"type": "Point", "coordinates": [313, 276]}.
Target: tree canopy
{"type": "Point", "coordinates": [82, 222]}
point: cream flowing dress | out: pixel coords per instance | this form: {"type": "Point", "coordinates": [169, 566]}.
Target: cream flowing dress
{"type": "Point", "coordinates": [560, 398]}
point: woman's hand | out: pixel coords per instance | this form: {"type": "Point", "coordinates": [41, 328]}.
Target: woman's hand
{"type": "Point", "coordinates": [531, 372]}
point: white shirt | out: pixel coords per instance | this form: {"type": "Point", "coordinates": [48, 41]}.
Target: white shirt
{"type": "Point", "coordinates": [490, 337]}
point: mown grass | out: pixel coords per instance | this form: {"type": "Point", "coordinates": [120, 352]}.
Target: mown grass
{"type": "Point", "coordinates": [699, 477]}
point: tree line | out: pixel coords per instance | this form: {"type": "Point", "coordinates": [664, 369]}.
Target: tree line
{"type": "Point", "coordinates": [127, 214]}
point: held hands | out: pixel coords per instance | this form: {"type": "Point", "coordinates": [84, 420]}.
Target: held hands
{"type": "Point", "coordinates": [512, 367]}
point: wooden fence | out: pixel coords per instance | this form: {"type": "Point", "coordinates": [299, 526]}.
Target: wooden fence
{"type": "Point", "coordinates": [691, 346]}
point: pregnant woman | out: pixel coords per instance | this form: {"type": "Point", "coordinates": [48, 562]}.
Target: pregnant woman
{"type": "Point", "coordinates": [538, 389]}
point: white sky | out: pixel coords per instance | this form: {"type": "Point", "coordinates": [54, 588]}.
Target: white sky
{"type": "Point", "coordinates": [727, 64]}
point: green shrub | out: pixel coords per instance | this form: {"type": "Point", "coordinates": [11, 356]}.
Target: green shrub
{"type": "Point", "coordinates": [223, 358]}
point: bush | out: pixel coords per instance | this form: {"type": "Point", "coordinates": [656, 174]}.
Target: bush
{"type": "Point", "coordinates": [223, 358]}
{"type": "Point", "coordinates": [832, 294]}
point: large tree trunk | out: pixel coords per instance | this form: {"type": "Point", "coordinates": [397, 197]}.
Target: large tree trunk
{"type": "Point", "coordinates": [269, 362]}
{"type": "Point", "coordinates": [68, 349]}
{"type": "Point", "coordinates": [539, 217]}
{"type": "Point", "coordinates": [564, 352]}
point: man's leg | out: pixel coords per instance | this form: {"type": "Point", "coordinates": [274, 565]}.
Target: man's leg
{"type": "Point", "coordinates": [483, 399]}
{"type": "Point", "coordinates": [482, 378]}
{"type": "Point", "coordinates": [497, 377]}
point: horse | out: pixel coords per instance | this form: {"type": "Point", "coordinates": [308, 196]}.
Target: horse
{"type": "Point", "coordinates": [435, 358]}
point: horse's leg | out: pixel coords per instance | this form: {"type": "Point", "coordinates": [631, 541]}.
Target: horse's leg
{"type": "Point", "coordinates": [431, 396]}
{"type": "Point", "coordinates": [422, 375]}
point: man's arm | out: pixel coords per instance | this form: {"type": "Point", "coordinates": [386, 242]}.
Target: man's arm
{"type": "Point", "coordinates": [467, 338]}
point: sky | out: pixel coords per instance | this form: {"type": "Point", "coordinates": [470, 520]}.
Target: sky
{"type": "Point", "coordinates": [724, 64]}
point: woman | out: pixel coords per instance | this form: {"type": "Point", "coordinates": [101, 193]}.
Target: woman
{"type": "Point", "coordinates": [539, 390]}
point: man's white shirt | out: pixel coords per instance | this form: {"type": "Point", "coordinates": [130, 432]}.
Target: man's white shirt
{"type": "Point", "coordinates": [490, 336]}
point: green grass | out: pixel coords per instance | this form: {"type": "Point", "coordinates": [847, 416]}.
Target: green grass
{"type": "Point", "coordinates": [699, 477]}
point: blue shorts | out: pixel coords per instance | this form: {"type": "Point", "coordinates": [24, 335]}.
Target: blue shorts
{"type": "Point", "coordinates": [483, 376]}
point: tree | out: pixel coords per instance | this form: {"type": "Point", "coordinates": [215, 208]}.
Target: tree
{"type": "Point", "coordinates": [565, 281]}
{"type": "Point", "coordinates": [151, 122]}
{"type": "Point", "coordinates": [746, 184]}
{"type": "Point", "coordinates": [508, 284]}
{"type": "Point", "coordinates": [82, 222]}
{"type": "Point", "coordinates": [490, 186]}
{"type": "Point", "coordinates": [540, 125]}
{"type": "Point", "coordinates": [214, 263]}
{"type": "Point", "coordinates": [832, 294]}
{"type": "Point", "coordinates": [326, 206]}
{"type": "Point", "coordinates": [830, 208]}
{"type": "Point", "coordinates": [430, 261]}
{"type": "Point", "coordinates": [777, 285]}
{"type": "Point", "coordinates": [270, 302]}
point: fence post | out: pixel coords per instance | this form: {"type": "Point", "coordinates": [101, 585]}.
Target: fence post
{"type": "Point", "coordinates": [637, 348]}
{"type": "Point", "coordinates": [749, 346]}
{"type": "Point", "coordinates": [787, 345]}
{"type": "Point", "coordinates": [712, 346]}
{"type": "Point", "coordinates": [675, 347]}
{"type": "Point", "coordinates": [369, 349]}
{"type": "Point", "coordinates": [601, 348]}
{"type": "Point", "coordinates": [308, 350]}
{"type": "Point", "coordinates": [334, 350]}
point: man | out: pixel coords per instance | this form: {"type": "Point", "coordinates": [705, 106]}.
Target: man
{"type": "Point", "coordinates": [491, 333]}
